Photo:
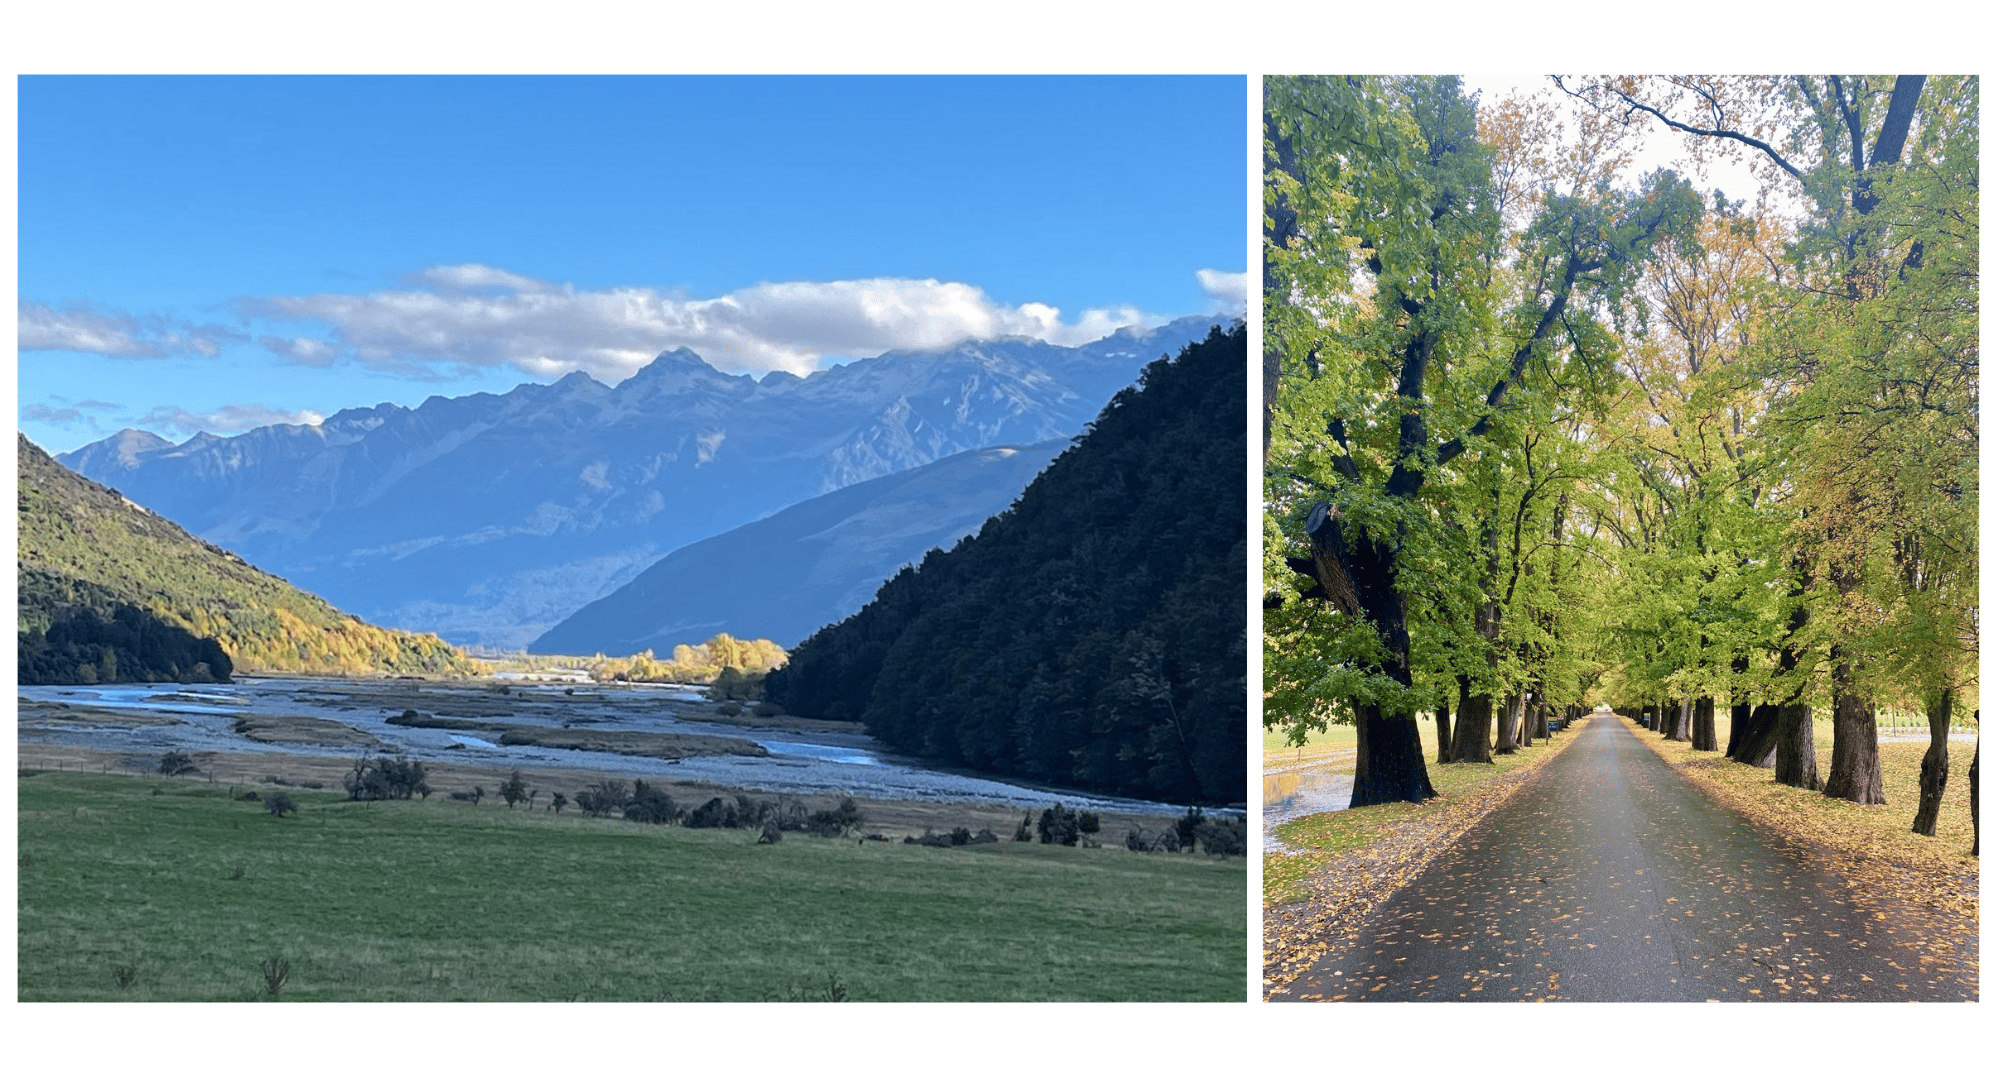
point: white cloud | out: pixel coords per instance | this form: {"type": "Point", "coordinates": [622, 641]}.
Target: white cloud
{"type": "Point", "coordinates": [115, 333]}
{"type": "Point", "coordinates": [474, 316]}
{"type": "Point", "coordinates": [1229, 290]}
{"type": "Point", "coordinates": [227, 419]}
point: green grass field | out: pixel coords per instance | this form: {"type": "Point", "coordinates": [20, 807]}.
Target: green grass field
{"type": "Point", "coordinates": [135, 880]}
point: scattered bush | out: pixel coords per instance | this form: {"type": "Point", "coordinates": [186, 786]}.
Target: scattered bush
{"type": "Point", "coordinates": [960, 836]}
{"type": "Point", "coordinates": [651, 804]}
{"type": "Point", "coordinates": [1057, 826]}
{"type": "Point", "coordinates": [715, 814]}
{"type": "Point", "coordinates": [249, 795]}
{"type": "Point", "coordinates": [460, 794]}
{"type": "Point", "coordinates": [382, 778]}
{"type": "Point", "coordinates": [276, 971]}
{"type": "Point", "coordinates": [1222, 837]}
{"type": "Point", "coordinates": [985, 836]}
{"type": "Point", "coordinates": [514, 790]}
{"type": "Point", "coordinates": [557, 803]}
{"type": "Point", "coordinates": [730, 709]}
{"type": "Point", "coordinates": [835, 823]}
{"type": "Point", "coordinates": [1087, 822]}
{"type": "Point", "coordinates": [280, 805]}
{"type": "Point", "coordinates": [1184, 828]}
{"type": "Point", "coordinates": [424, 789]}
{"type": "Point", "coordinates": [1021, 833]}
{"type": "Point", "coordinates": [175, 764]}
{"type": "Point", "coordinates": [771, 835]}
{"type": "Point", "coordinates": [768, 709]}
{"type": "Point", "coordinates": [125, 976]}
{"type": "Point", "coordinates": [1136, 840]}
{"type": "Point", "coordinates": [600, 800]}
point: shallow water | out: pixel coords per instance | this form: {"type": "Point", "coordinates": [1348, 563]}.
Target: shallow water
{"type": "Point", "coordinates": [803, 763]}
{"type": "Point", "coordinates": [1300, 791]}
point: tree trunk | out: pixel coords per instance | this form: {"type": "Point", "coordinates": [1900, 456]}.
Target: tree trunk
{"type": "Point", "coordinates": [1856, 773]}
{"type": "Point", "coordinates": [1931, 781]}
{"type": "Point", "coordinates": [1361, 581]}
{"type": "Point", "coordinates": [1444, 731]}
{"type": "Point", "coordinates": [1472, 741]}
{"type": "Point", "coordinates": [1797, 757]}
{"type": "Point", "coordinates": [1972, 779]}
{"type": "Point", "coordinates": [1753, 734]}
{"type": "Point", "coordinates": [1507, 742]}
{"type": "Point", "coordinates": [1388, 759]}
{"type": "Point", "coordinates": [1704, 724]}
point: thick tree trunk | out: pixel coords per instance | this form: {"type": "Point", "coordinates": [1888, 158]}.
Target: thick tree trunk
{"type": "Point", "coordinates": [1757, 744]}
{"type": "Point", "coordinates": [1856, 773]}
{"type": "Point", "coordinates": [1388, 759]}
{"type": "Point", "coordinates": [1681, 720]}
{"type": "Point", "coordinates": [1797, 757]}
{"type": "Point", "coordinates": [1937, 758]}
{"type": "Point", "coordinates": [1972, 779]}
{"type": "Point", "coordinates": [1444, 731]}
{"type": "Point", "coordinates": [1359, 580]}
{"type": "Point", "coordinates": [1508, 741]}
{"type": "Point", "coordinates": [1472, 741]}
{"type": "Point", "coordinates": [1704, 724]}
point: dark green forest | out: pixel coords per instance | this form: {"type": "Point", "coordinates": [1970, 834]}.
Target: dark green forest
{"type": "Point", "coordinates": [1093, 634]}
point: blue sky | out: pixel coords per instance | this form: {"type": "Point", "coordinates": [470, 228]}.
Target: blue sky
{"type": "Point", "coordinates": [218, 253]}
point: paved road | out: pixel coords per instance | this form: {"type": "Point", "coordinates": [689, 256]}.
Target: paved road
{"type": "Point", "coordinates": [1609, 878]}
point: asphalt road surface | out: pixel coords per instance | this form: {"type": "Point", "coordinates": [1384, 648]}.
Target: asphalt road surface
{"type": "Point", "coordinates": [1610, 879]}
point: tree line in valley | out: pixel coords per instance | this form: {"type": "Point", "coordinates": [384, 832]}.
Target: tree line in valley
{"type": "Point", "coordinates": [1092, 634]}
{"type": "Point", "coordinates": [1537, 434]}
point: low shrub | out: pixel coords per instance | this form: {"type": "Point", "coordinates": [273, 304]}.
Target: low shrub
{"type": "Point", "coordinates": [651, 804]}
{"type": "Point", "coordinates": [1057, 826]}
{"type": "Point", "coordinates": [276, 971]}
{"type": "Point", "coordinates": [600, 800]}
{"type": "Point", "coordinates": [175, 764]}
{"type": "Point", "coordinates": [1184, 827]}
{"type": "Point", "coordinates": [249, 795]}
{"type": "Point", "coordinates": [382, 778]}
{"type": "Point", "coordinates": [768, 709]}
{"type": "Point", "coordinates": [730, 709]}
{"type": "Point", "coordinates": [771, 835]}
{"type": "Point", "coordinates": [961, 836]}
{"type": "Point", "coordinates": [1087, 822]}
{"type": "Point", "coordinates": [1022, 833]}
{"type": "Point", "coordinates": [280, 805]}
{"type": "Point", "coordinates": [1222, 837]}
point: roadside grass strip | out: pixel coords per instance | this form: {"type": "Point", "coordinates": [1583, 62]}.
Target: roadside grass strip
{"type": "Point", "coordinates": [1929, 884]}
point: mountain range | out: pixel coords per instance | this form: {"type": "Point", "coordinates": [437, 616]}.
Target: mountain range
{"type": "Point", "coordinates": [490, 518]}
{"type": "Point", "coordinates": [808, 565]}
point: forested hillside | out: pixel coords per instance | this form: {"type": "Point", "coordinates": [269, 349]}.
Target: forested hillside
{"type": "Point", "coordinates": [1092, 635]}
{"type": "Point", "coordinates": [112, 592]}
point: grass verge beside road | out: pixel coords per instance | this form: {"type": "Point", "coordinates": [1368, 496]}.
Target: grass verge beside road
{"type": "Point", "coordinates": [1350, 861]}
{"type": "Point", "coordinates": [158, 889]}
{"type": "Point", "coordinates": [1872, 847]}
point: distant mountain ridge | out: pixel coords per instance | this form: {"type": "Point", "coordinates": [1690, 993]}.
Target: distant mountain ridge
{"type": "Point", "coordinates": [109, 591]}
{"type": "Point", "coordinates": [489, 518]}
{"type": "Point", "coordinates": [808, 565]}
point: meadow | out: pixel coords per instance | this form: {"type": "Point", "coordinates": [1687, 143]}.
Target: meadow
{"type": "Point", "coordinates": [157, 889]}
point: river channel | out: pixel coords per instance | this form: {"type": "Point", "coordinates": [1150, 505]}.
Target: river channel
{"type": "Point", "coordinates": [804, 757]}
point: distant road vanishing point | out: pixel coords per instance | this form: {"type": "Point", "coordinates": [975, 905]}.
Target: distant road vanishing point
{"type": "Point", "coordinates": [1610, 879]}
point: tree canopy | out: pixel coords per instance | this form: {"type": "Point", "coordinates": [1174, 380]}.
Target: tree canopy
{"type": "Point", "coordinates": [1543, 433]}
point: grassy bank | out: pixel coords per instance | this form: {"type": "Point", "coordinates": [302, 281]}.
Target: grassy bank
{"type": "Point", "coordinates": [1860, 838]}
{"type": "Point", "coordinates": [153, 889]}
